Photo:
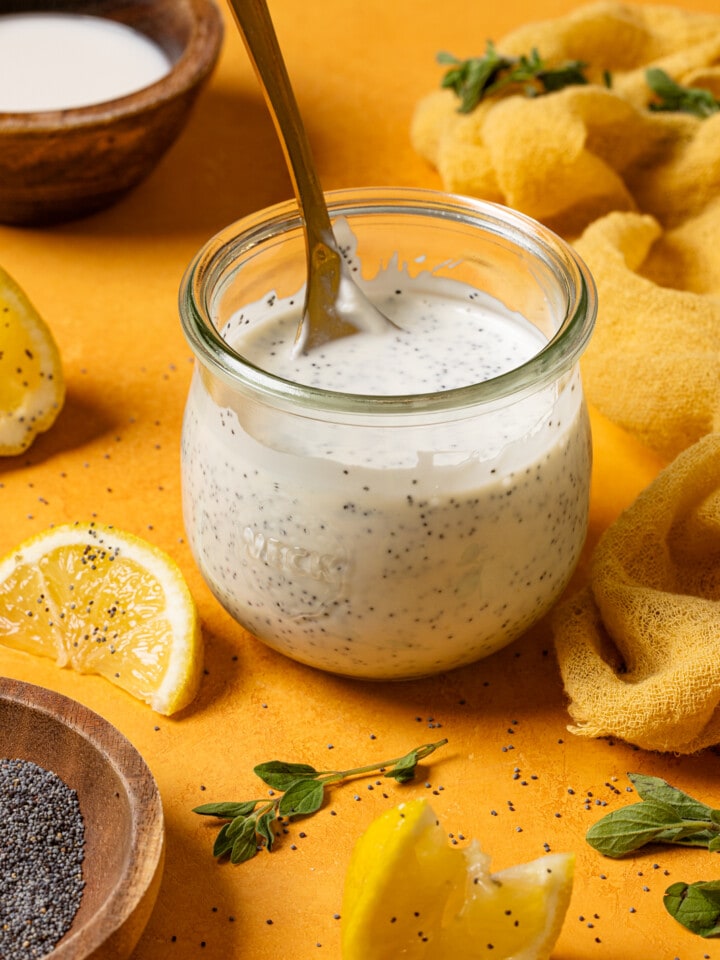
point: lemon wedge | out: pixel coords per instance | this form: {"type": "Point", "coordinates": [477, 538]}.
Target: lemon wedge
{"type": "Point", "coordinates": [32, 388]}
{"type": "Point", "coordinates": [104, 602]}
{"type": "Point", "coordinates": [409, 894]}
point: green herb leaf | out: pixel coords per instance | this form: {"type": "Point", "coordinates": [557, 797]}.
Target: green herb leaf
{"type": "Point", "coordinates": [672, 96]}
{"type": "Point", "coordinates": [478, 77]}
{"type": "Point", "coordinates": [665, 815]}
{"type": "Point", "coordinates": [404, 770]}
{"type": "Point", "coordinates": [653, 788]}
{"type": "Point", "coordinates": [236, 826]}
{"type": "Point", "coordinates": [280, 775]}
{"type": "Point", "coordinates": [631, 827]}
{"type": "Point", "coordinates": [302, 798]}
{"type": "Point", "coordinates": [264, 828]}
{"type": "Point", "coordinates": [229, 810]}
{"type": "Point", "coordinates": [570, 74]}
{"type": "Point", "coordinates": [223, 844]}
{"type": "Point", "coordinates": [245, 845]}
{"type": "Point", "coordinates": [469, 79]}
{"type": "Point", "coordinates": [696, 906]}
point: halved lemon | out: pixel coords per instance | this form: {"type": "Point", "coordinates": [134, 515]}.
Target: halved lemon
{"type": "Point", "coordinates": [105, 602]}
{"type": "Point", "coordinates": [32, 389]}
{"type": "Point", "coordinates": [409, 894]}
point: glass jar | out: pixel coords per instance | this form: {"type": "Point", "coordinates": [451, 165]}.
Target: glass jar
{"type": "Point", "coordinates": [388, 536]}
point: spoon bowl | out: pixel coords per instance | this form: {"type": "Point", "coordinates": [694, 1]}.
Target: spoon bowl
{"type": "Point", "coordinates": [334, 305]}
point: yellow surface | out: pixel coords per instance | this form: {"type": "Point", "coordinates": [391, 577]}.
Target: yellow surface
{"type": "Point", "coordinates": [108, 287]}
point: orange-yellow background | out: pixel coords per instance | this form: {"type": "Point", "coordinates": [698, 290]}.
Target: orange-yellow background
{"type": "Point", "coordinates": [108, 287]}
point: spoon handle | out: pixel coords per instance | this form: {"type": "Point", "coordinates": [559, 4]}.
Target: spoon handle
{"type": "Point", "coordinates": [256, 26]}
{"type": "Point", "coordinates": [334, 305]}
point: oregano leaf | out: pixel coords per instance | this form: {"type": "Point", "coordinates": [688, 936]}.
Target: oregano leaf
{"type": "Point", "coordinates": [653, 788]}
{"type": "Point", "coordinates": [264, 828]}
{"type": "Point", "coordinates": [280, 775]}
{"type": "Point", "coordinates": [222, 844]}
{"type": "Point", "coordinates": [237, 825]}
{"type": "Point", "coordinates": [696, 906]}
{"type": "Point", "coordinates": [302, 798]}
{"type": "Point", "coordinates": [229, 810]}
{"type": "Point", "coordinates": [630, 828]}
{"type": "Point", "coordinates": [245, 843]}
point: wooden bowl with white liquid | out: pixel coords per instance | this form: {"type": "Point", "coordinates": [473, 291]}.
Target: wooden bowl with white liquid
{"type": "Point", "coordinates": [120, 806]}
{"type": "Point", "coordinates": [67, 158]}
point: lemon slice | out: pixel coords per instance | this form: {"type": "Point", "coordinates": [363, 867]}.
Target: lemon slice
{"type": "Point", "coordinates": [32, 388]}
{"type": "Point", "coordinates": [409, 894]}
{"type": "Point", "coordinates": [104, 602]}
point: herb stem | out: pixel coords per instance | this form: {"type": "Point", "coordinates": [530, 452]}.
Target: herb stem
{"type": "Point", "coordinates": [334, 776]}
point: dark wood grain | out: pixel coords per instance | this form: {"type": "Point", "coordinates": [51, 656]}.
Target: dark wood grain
{"type": "Point", "coordinates": [58, 165]}
{"type": "Point", "coordinates": [120, 805]}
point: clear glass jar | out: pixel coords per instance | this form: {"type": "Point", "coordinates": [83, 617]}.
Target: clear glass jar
{"type": "Point", "coordinates": [383, 536]}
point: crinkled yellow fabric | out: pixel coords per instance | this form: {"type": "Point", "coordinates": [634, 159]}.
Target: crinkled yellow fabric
{"type": "Point", "coordinates": [653, 365]}
{"type": "Point", "coordinates": [637, 191]}
{"type": "Point", "coordinates": [639, 648]}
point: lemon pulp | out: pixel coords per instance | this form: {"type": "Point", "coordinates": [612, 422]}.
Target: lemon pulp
{"type": "Point", "coordinates": [409, 894]}
{"type": "Point", "coordinates": [105, 602]}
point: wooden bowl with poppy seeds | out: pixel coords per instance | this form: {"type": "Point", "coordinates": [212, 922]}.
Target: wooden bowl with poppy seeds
{"type": "Point", "coordinates": [120, 814]}
{"type": "Point", "coordinates": [65, 162]}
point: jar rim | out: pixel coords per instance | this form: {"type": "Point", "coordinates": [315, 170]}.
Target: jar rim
{"type": "Point", "coordinates": [558, 355]}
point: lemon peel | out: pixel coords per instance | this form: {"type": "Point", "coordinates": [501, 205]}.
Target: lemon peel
{"type": "Point", "coordinates": [32, 387]}
{"type": "Point", "coordinates": [409, 893]}
{"type": "Point", "coordinates": [103, 601]}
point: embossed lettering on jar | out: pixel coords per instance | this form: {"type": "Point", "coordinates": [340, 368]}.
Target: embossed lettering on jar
{"type": "Point", "coordinates": [393, 506]}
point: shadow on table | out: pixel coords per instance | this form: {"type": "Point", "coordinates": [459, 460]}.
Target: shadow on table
{"type": "Point", "coordinates": [227, 163]}
{"type": "Point", "coordinates": [79, 422]}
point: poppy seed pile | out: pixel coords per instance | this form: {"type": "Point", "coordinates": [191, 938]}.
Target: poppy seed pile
{"type": "Point", "coordinates": [42, 839]}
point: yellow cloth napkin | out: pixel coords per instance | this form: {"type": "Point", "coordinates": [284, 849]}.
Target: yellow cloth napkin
{"type": "Point", "coordinates": [639, 648]}
{"type": "Point", "coordinates": [653, 364]}
{"type": "Point", "coordinates": [644, 187]}
{"type": "Point", "coordinates": [571, 156]}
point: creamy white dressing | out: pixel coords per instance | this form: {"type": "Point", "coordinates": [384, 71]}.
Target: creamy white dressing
{"type": "Point", "coordinates": [386, 551]}
{"type": "Point", "coordinates": [57, 61]}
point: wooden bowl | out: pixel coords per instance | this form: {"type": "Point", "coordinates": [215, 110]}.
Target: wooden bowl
{"type": "Point", "coordinates": [119, 803]}
{"type": "Point", "coordinates": [58, 165]}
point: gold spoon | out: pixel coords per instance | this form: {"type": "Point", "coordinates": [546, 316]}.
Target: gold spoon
{"type": "Point", "coordinates": [334, 304]}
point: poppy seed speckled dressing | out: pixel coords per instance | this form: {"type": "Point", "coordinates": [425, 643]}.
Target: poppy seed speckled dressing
{"type": "Point", "coordinates": [406, 529]}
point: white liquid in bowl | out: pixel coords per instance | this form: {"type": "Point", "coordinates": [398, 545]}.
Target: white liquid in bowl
{"type": "Point", "coordinates": [58, 61]}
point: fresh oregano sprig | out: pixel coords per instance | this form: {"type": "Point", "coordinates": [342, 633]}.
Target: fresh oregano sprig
{"type": "Point", "coordinates": [478, 77]}
{"type": "Point", "coordinates": [667, 815]}
{"type": "Point", "coordinates": [672, 96]}
{"type": "Point", "coordinates": [249, 824]}
{"type": "Point", "coordinates": [664, 815]}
